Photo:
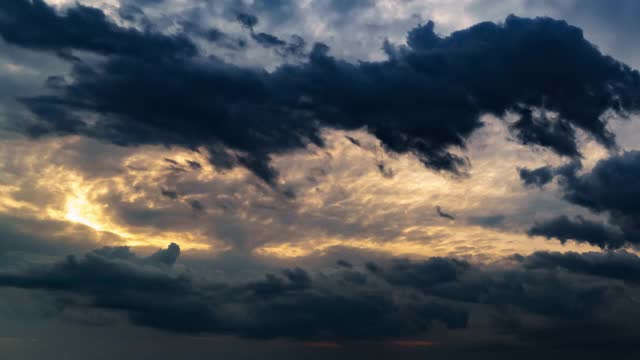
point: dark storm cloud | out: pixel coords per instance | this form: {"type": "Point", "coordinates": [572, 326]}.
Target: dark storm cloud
{"type": "Point", "coordinates": [537, 177]}
{"type": "Point", "coordinates": [425, 98]}
{"type": "Point", "coordinates": [34, 24]}
{"type": "Point", "coordinates": [424, 274]}
{"type": "Point", "coordinates": [611, 185]}
{"type": "Point", "coordinates": [545, 174]}
{"type": "Point", "coordinates": [400, 299]}
{"type": "Point", "coordinates": [423, 37]}
{"type": "Point", "coordinates": [166, 256]}
{"type": "Point", "coordinates": [537, 128]}
{"type": "Point", "coordinates": [100, 270]}
{"type": "Point", "coordinates": [615, 265]}
{"type": "Point", "coordinates": [247, 20]}
{"type": "Point", "coordinates": [534, 303]}
{"type": "Point", "coordinates": [610, 188]}
{"type": "Point", "coordinates": [538, 293]}
{"type": "Point", "coordinates": [615, 27]}
{"type": "Point", "coordinates": [26, 235]}
{"type": "Point", "coordinates": [580, 229]}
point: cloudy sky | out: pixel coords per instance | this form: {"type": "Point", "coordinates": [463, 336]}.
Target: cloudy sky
{"type": "Point", "coordinates": [319, 178]}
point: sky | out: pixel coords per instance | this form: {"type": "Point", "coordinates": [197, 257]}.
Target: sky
{"type": "Point", "coordinates": [319, 178]}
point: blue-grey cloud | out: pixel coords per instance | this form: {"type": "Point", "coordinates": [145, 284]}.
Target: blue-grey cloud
{"type": "Point", "coordinates": [537, 177]}
{"type": "Point", "coordinates": [580, 229]}
{"type": "Point", "coordinates": [616, 265]}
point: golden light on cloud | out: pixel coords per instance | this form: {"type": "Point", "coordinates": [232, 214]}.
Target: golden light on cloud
{"type": "Point", "coordinates": [62, 193]}
{"type": "Point", "coordinates": [396, 214]}
{"type": "Point", "coordinates": [478, 243]}
{"type": "Point", "coordinates": [150, 196]}
{"type": "Point", "coordinates": [80, 210]}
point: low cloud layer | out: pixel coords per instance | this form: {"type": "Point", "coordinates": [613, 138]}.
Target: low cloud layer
{"type": "Point", "coordinates": [340, 306]}
{"type": "Point", "coordinates": [385, 299]}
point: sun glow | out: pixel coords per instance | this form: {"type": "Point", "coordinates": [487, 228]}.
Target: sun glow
{"type": "Point", "coordinates": [80, 210]}
{"type": "Point", "coordinates": [75, 213]}
{"type": "Point", "coordinates": [63, 194]}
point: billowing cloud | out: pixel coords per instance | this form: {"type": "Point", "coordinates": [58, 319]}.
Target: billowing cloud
{"type": "Point", "coordinates": [580, 229]}
{"type": "Point", "coordinates": [424, 99]}
{"type": "Point", "coordinates": [82, 28]}
{"type": "Point", "coordinates": [612, 28]}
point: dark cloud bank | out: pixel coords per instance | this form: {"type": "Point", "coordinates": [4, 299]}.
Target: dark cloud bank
{"type": "Point", "coordinates": [546, 299]}
{"type": "Point", "coordinates": [156, 88]}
